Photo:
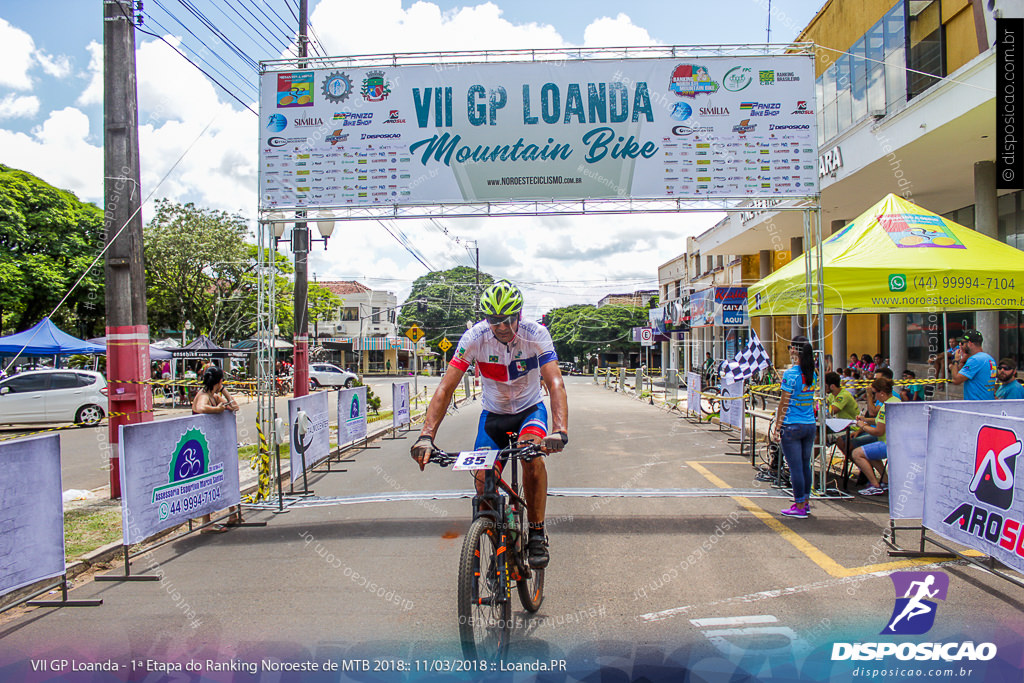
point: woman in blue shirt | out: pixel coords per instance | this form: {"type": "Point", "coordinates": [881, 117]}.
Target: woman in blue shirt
{"type": "Point", "coordinates": [794, 421]}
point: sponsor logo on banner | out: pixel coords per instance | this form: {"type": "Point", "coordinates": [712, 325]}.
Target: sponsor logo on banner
{"type": "Point", "coordinates": [277, 122]}
{"type": "Point", "coordinates": [788, 126]}
{"type": "Point", "coordinates": [766, 77]}
{"type": "Point", "coordinates": [394, 117]}
{"type": "Point", "coordinates": [377, 136]}
{"type": "Point", "coordinates": [336, 137]}
{"type": "Point", "coordinates": [310, 121]}
{"type": "Point", "coordinates": [277, 141]}
{"type": "Point", "coordinates": [761, 108]}
{"type": "Point", "coordinates": [786, 77]}
{"type": "Point", "coordinates": [190, 480]}
{"type": "Point", "coordinates": [690, 130]}
{"type": "Point", "coordinates": [713, 111]}
{"type": "Point", "coordinates": [737, 78]}
{"type": "Point", "coordinates": [918, 230]}
{"type": "Point", "coordinates": [690, 80]}
{"type": "Point", "coordinates": [295, 89]}
{"type": "Point", "coordinates": [375, 87]}
{"type": "Point", "coordinates": [337, 87]}
{"type": "Point", "coordinates": [744, 127]}
{"type": "Point", "coordinates": [801, 108]}
{"type": "Point", "coordinates": [681, 111]}
{"type": "Point", "coordinates": [995, 463]}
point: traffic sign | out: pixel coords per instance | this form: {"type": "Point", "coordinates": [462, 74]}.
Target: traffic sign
{"type": "Point", "coordinates": [647, 336]}
{"type": "Point", "coordinates": [415, 333]}
{"type": "Point", "coordinates": [445, 345]}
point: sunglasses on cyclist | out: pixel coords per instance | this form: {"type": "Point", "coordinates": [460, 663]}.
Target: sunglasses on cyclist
{"type": "Point", "coordinates": [499, 319]}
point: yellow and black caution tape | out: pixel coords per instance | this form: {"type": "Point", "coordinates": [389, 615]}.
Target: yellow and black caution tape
{"type": "Point", "coordinates": [260, 462]}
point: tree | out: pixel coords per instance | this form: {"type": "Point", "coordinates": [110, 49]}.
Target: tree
{"type": "Point", "coordinates": [199, 268]}
{"type": "Point", "coordinates": [450, 300]}
{"type": "Point", "coordinates": [582, 331]}
{"type": "Point", "coordinates": [48, 240]}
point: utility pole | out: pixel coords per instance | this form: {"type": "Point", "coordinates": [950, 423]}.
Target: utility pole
{"type": "Point", "coordinates": [127, 328]}
{"type": "Point", "coordinates": [300, 247]}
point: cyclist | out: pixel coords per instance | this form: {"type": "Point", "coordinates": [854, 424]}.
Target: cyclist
{"type": "Point", "coordinates": [514, 356]}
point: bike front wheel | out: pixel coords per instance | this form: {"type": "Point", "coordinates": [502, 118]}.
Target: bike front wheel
{"type": "Point", "coordinates": [709, 401]}
{"type": "Point", "coordinates": [484, 594]}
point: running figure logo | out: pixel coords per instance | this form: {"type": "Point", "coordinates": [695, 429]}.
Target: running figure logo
{"type": "Point", "coordinates": [916, 592]}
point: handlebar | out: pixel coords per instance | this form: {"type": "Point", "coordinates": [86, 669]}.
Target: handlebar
{"type": "Point", "coordinates": [524, 450]}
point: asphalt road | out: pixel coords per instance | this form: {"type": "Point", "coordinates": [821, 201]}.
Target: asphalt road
{"type": "Point", "coordinates": [713, 584]}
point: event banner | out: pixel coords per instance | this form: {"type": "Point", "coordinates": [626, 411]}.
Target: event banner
{"type": "Point", "coordinates": [732, 412]}
{"type": "Point", "coordinates": [702, 308]}
{"type": "Point", "coordinates": [689, 127]}
{"type": "Point", "coordinates": [906, 436]}
{"type": "Point", "coordinates": [32, 514]}
{"type": "Point", "coordinates": [175, 470]}
{"type": "Point", "coordinates": [974, 497]}
{"type": "Point", "coordinates": [400, 405]}
{"type": "Point", "coordinates": [693, 393]}
{"type": "Point", "coordinates": [310, 448]}
{"type": "Point", "coordinates": [351, 415]}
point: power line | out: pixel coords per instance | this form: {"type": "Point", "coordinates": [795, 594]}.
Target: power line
{"type": "Point", "coordinates": [220, 34]}
{"type": "Point", "coordinates": [255, 30]}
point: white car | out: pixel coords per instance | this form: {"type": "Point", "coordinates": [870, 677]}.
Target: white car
{"type": "Point", "coordinates": [327, 375]}
{"type": "Point", "coordinates": [53, 396]}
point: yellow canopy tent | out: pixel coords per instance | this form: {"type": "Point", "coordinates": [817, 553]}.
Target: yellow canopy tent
{"type": "Point", "coordinates": [899, 258]}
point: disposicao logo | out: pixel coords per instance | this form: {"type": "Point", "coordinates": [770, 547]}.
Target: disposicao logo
{"type": "Point", "coordinates": [914, 614]}
{"type": "Point", "coordinates": [915, 608]}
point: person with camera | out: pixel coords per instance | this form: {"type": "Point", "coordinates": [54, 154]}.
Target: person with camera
{"type": "Point", "coordinates": [974, 369]}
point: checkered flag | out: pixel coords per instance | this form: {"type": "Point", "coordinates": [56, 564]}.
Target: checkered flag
{"type": "Point", "coordinates": [752, 358]}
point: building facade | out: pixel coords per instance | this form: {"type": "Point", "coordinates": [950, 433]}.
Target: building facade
{"type": "Point", "coordinates": [905, 104]}
{"type": "Point", "coordinates": [363, 335]}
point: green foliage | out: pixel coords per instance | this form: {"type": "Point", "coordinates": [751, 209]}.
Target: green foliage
{"type": "Point", "coordinates": [372, 399]}
{"type": "Point", "coordinates": [48, 238]}
{"type": "Point", "coordinates": [582, 331]}
{"type": "Point", "coordinates": [451, 301]}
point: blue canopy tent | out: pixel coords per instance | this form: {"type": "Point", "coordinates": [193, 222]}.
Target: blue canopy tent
{"type": "Point", "coordinates": [45, 339]}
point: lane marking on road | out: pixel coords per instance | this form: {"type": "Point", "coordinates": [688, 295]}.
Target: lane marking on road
{"type": "Point", "coordinates": [734, 621]}
{"type": "Point", "coordinates": [815, 554]}
{"type": "Point", "coordinates": [780, 592]}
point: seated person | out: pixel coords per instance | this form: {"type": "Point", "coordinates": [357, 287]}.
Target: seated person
{"type": "Point", "coordinates": [1008, 386]}
{"type": "Point", "coordinates": [945, 360]}
{"type": "Point", "coordinates": [867, 365]}
{"type": "Point", "coordinates": [840, 402]}
{"type": "Point", "coordinates": [911, 392]}
{"type": "Point", "coordinates": [869, 457]}
{"type": "Point", "coordinates": [880, 362]}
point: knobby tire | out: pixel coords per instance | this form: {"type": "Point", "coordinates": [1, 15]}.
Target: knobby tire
{"type": "Point", "coordinates": [485, 630]}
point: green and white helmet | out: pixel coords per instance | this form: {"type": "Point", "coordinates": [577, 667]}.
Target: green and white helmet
{"type": "Point", "coordinates": [501, 298]}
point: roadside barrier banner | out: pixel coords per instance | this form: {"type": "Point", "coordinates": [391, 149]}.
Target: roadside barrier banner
{"type": "Point", "coordinates": [972, 494]}
{"type": "Point", "coordinates": [351, 415]}
{"type": "Point", "coordinates": [400, 405]}
{"type": "Point", "coordinates": [731, 412]}
{"type": "Point", "coordinates": [32, 514]}
{"type": "Point", "coordinates": [310, 448]}
{"type": "Point", "coordinates": [175, 470]}
{"type": "Point", "coordinates": [906, 437]}
{"type": "Point", "coordinates": [693, 392]}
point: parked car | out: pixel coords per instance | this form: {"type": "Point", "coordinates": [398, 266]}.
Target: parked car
{"type": "Point", "coordinates": [327, 375]}
{"type": "Point", "coordinates": [63, 395]}
{"type": "Point", "coordinates": [567, 367]}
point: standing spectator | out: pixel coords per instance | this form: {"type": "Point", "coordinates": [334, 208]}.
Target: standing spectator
{"type": "Point", "coordinates": [387, 368]}
{"type": "Point", "coordinates": [211, 399]}
{"type": "Point", "coordinates": [911, 392]}
{"type": "Point", "coordinates": [974, 368]}
{"type": "Point", "coordinates": [795, 423]}
{"type": "Point", "coordinates": [1009, 387]}
{"type": "Point", "coordinates": [870, 456]}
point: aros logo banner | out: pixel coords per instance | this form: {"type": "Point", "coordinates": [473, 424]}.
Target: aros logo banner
{"type": "Point", "coordinates": [994, 465]}
{"type": "Point", "coordinates": [915, 608]}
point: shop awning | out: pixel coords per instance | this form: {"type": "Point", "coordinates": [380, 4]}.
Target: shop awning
{"type": "Point", "coordinates": [899, 258]}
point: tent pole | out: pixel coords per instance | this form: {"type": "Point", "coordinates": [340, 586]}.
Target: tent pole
{"type": "Point", "coordinates": [945, 363]}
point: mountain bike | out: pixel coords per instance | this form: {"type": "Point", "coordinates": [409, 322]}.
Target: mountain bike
{"type": "Point", "coordinates": [494, 553]}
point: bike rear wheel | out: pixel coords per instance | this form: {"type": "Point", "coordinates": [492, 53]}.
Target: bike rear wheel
{"type": "Point", "coordinates": [484, 595]}
{"type": "Point", "coordinates": [531, 588]}
{"type": "Point", "coordinates": [709, 402]}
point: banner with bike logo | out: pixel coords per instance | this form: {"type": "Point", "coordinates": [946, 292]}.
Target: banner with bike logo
{"type": "Point", "coordinates": [693, 393]}
{"type": "Point", "coordinates": [400, 404]}
{"type": "Point", "coordinates": [732, 405]}
{"type": "Point", "coordinates": [32, 542]}
{"type": "Point", "coordinates": [351, 415]}
{"type": "Point", "coordinates": [175, 470]}
{"type": "Point", "coordinates": [309, 425]}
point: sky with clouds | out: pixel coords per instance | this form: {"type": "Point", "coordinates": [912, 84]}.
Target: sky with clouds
{"type": "Point", "coordinates": [199, 143]}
